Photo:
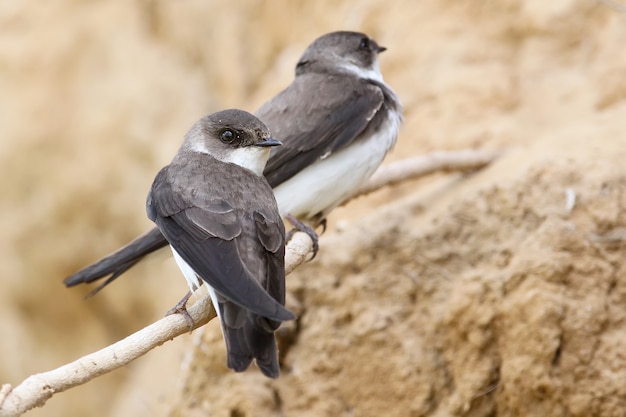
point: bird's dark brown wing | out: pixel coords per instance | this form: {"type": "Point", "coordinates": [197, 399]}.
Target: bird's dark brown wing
{"type": "Point", "coordinates": [119, 261]}
{"type": "Point", "coordinates": [329, 118]}
{"type": "Point", "coordinates": [207, 233]}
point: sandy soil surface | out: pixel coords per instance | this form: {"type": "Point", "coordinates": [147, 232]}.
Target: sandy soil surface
{"type": "Point", "coordinates": [497, 293]}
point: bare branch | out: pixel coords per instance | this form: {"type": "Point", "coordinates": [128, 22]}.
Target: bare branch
{"type": "Point", "coordinates": [37, 389]}
{"type": "Point", "coordinates": [465, 160]}
{"type": "Point", "coordinates": [618, 7]}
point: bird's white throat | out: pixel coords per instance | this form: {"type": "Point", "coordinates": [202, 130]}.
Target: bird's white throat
{"type": "Point", "coordinates": [253, 158]}
{"type": "Point", "coordinates": [372, 73]}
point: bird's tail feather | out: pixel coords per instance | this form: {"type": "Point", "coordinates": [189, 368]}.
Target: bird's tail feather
{"type": "Point", "coordinates": [263, 348]}
{"type": "Point", "coordinates": [251, 342]}
{"type": "Point", "coordinates": [239, 355]}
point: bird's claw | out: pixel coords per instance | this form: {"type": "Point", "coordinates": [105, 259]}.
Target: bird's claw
{"type": "Point", "coordinates": [301, 227]}
{"type": "Point", "coordinates": [181, 308]}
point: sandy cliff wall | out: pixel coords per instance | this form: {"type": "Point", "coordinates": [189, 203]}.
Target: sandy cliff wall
{"type": "Point", "coordinates": [477, 295]}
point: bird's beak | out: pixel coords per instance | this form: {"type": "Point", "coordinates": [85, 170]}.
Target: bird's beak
{"type": "Point", "coordinates": [381, 49]}
{"type": "Point", "coordinates": [268, 142]}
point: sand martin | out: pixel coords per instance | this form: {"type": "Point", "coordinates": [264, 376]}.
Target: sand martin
{"type": "Point", "coordinates": [221, 220]}
{"type": "Point", "coordinates": [337, 121]}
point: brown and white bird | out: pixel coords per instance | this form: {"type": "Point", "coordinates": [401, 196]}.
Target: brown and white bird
{"type": "Point", "coordinates": [219, 216]}
{"type": "Point", "coordinates": [337, 121]}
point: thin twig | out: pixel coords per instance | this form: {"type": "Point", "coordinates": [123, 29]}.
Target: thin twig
{"type": "Point", "coordinates": [38, 388]}
{"type": "Point", "coordinates": [419, 166]}
{"type": "Point", "coordinates": [616, 6]}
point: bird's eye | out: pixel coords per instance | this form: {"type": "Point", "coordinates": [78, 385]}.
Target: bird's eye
{"type": "Point", "coordinates": [227, 136]}
{"type": "Point", "coordinates": [365, 43]}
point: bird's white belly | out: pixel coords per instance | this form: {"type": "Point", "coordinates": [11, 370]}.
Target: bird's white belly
{"type": "Point", "coordinates": [329, 182]}
{"type": "Point", "coordinates": [193, 280]}
{"type": "Point", "coordinates": [190, 275]}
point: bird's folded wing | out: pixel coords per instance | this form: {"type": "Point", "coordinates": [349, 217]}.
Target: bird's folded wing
{"type": "Point", "coordinates": [316, 132]}
{"type": "Point", "coordinates": [119, 261]}
{"type": "Point", "coordinates": [204, 232]}
{"type": "Point", "coordinates": [217, 261]}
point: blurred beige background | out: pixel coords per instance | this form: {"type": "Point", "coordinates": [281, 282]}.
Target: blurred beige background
{"type": "Point", "coordinates": [476, 295]}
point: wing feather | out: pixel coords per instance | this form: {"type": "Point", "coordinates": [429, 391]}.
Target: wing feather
{"type": "Point", "coordinates": [209, 233]}
{"type": "Point", "coordinates": [349, 105]}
